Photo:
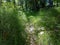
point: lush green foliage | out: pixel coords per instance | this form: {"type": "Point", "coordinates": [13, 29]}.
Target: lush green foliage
{"type": "Point", "coordinates": [11, 26]}
{"type": "Point", "coordinates": [18, 27]}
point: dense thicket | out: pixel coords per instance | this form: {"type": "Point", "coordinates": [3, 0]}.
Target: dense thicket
{"type": "Point", "coordinates": [20, 28]}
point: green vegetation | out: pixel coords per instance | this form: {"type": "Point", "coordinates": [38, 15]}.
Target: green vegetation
{"type": "Point", "coordinates": [20, 25]}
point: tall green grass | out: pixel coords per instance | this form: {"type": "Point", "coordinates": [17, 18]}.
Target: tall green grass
{"type": "Point", "coordinates": [13, 26]}
{"type": "Point", "coordinates": [12, 29]}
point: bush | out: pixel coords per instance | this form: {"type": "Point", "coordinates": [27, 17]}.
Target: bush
{"type": "Point", "coordinates": [11, 29]}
